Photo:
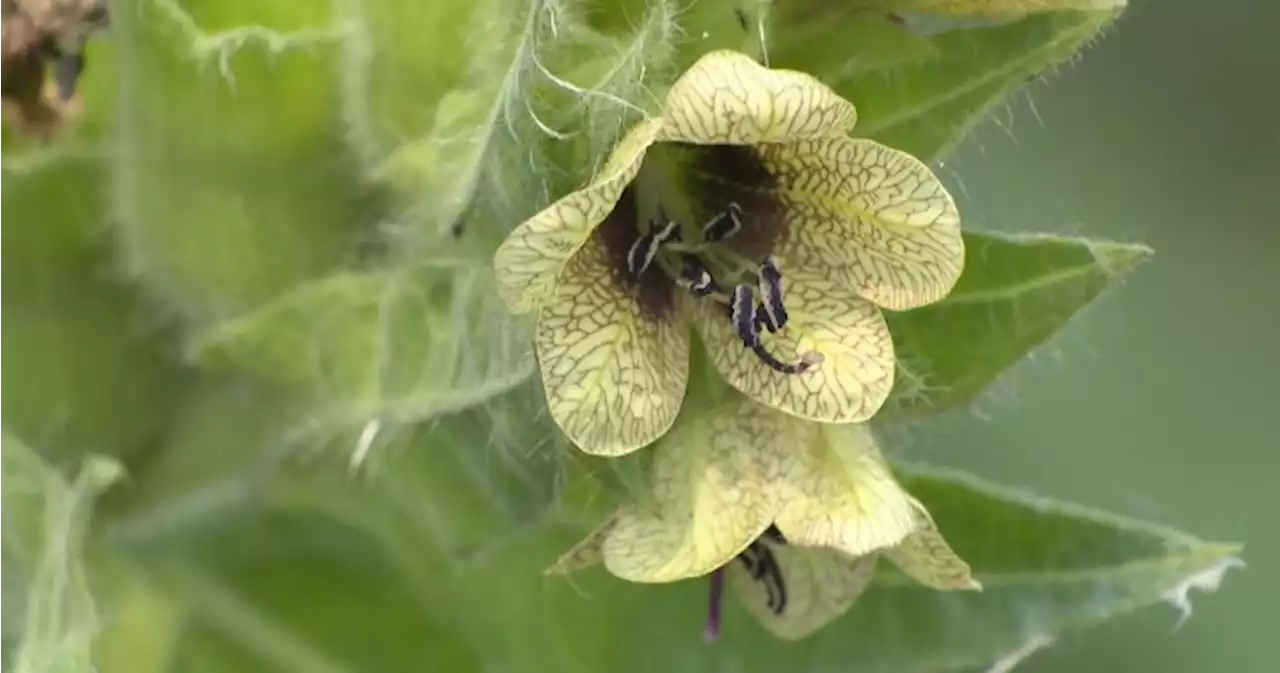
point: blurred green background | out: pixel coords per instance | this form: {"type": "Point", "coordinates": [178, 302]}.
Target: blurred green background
{"type": "Point", "coordinates": [1159, 401]}
{"type": "Point", "coordinates": [1150, 404]}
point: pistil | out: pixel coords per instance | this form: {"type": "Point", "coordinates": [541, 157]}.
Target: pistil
{"type": "Point", "coordinates": [712, 630]}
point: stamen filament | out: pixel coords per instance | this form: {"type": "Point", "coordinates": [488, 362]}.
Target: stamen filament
{"type": "Point", "coordinates": [726, 256]}
{"type": "Point", "coordinates": [808, 360]}
{"type": "Point", "coordinates": [690, 248]}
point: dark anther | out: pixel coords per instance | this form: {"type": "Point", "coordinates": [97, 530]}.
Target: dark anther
{"type": "Point", "coordinates": [654, 293]}
{"type": "Point", "coordinates": [771, 310]}
{"type": "Point", "coordinates": [641, 254]}
{"type": "Point", "coordinates": [752, 559]}
{"type": "Point", "coordinates": [735, 178]}
{"type": "Point", "coordinates": [763, 567]}
{"type": "Point", "coordinates": [724, 225]}
{"type": "Point", "coordinates": [695, 277]}
{"type": "Point", "coordinates": [741, 311]}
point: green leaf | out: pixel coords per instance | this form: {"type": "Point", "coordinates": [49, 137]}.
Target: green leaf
{"type": "Point", "coordinates": [428, 133]}
{"type": "Point", "coordinates": [322, 568]}
{"type": "Point", "coordinates": [85, 373]}
{"type": "Point", "coordinates": [226, 440]}
{"type": "Point", "coordinates": [50, 625]}
{"type": "Point", "coordinates": [805, 38]}
{"type": "Point", "coordinates": [233, 182]}
{"type": "Point", "coordinates": [145, 624]}
{"type": "Point", "coordinates": [283, 594]}
{"type": "Point", "coordinates": [925, 105]}
{"type": "Point", "coordinates": [1014, 294]}
{"type": "Point", "coordinates": [388, 348]}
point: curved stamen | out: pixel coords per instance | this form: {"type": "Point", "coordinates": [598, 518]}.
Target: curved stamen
{"type": "Point", "coordinates": [745, 324]}
{"type": "Point", "coordinates": [807, 361]}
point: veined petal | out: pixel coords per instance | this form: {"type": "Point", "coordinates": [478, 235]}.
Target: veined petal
{"type": "Point", "coordinates": [614, 373]}
{"type": "Point", "coordinates": [870, 217]}
{"type": "Point", "coordinates": [827, 317]}
{"type": "Point", "coordinates": [727, 98]}
{"type": "Point", "coordinates": [586, 553]}
{"type": "Point", "coordinates": [710, 496]}
{"type": "Point", "coordinates": [534, 254]}
{"type": "Point", "coordinates": [926, 557]}
{"type": "Point", "coordinates": [838, 492]}
{"type": "Point", "coordinates": [819, 585]}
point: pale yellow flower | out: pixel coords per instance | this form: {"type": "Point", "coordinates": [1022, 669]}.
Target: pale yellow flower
{"type": "Point", "coordinates": [794, 514]}
{"type": "Point", "coordinates": [746, 182]}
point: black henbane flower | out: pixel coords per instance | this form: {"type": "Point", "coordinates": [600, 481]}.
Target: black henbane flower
{"type": "Point", "coordinates": [746, 209]}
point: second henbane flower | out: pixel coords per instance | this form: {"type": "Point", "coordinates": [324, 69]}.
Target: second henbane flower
{"type": "Point", "coordinates": [746, 209]}
{"type": "Point", "coordinates": [790, 514]}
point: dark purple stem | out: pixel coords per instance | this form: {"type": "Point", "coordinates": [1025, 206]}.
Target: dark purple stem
{"type": "Point", "coordinates": [713, 612]}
